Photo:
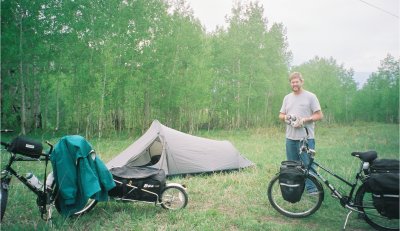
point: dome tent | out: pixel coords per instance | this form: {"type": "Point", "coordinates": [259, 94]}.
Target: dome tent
{"type": "Point", "coordinates": [179, 153]}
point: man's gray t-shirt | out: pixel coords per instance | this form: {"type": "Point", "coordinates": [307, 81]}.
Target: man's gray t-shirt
{"type": "Point", "coordinates": [303, 106]}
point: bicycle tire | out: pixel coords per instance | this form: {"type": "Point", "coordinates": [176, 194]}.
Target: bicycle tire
{"type": "Point", "coordinates": [307, 205]}
{"type": "Point", "coordinates": [4, 198]}
{"type": "Point", "coordinates": [364, 203]}
{"type": "Point", "coordinates": [91, 203]}
{"type": "Point", "coordinates": [88, 207]}
{"type": "Point", "coordinates": [173, 198]}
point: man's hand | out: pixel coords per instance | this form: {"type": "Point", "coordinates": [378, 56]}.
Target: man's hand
{"type": "Point", "coordinates": [288, 119]}
{"type": "Point", "coordinates": [297, 122]}
{"type": "Point", "coordinates": [294, 121]}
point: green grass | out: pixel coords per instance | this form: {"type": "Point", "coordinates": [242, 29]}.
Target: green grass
{"type": "Point", "coordinates": [222, 201]}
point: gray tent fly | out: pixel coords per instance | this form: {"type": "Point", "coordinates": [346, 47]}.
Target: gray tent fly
{"type": "Point", "coordinates": [177, 153]}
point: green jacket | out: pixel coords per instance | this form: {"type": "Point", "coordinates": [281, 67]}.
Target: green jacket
{"type": "Point", "coordinates": [79, 175]}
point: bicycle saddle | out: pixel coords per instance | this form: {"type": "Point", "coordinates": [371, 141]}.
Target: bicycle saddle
{"type": "Point", "coordinates": [367, 156]}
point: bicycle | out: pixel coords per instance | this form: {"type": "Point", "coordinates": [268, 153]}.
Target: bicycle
{"type": "Point", "coordinates": [25, 149]}
{"type": "Point", "coordinates": [144, 184]}
{"type": "Point", "coordinates": [31, 151]}
{"type": "Point", "coordinates": [360, 202]}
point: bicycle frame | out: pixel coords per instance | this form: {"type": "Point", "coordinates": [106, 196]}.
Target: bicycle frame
{"type": "Point", "coordinates": [345, 200]}
{"type": "Point", "coordinates": [43, 195]}
{"type": "Point", "coordinates": [8, 170]}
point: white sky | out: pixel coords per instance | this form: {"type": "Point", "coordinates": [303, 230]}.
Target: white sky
{"type": "Point", "coordinates": [354, 33]}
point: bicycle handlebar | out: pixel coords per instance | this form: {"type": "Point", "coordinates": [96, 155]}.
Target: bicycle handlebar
{"type": "Point", "coordinates": [6, 130]}
{"type": "Point", "coordinates": [25, 158]}
{"type": "Point", "coordinates": [51, 146]}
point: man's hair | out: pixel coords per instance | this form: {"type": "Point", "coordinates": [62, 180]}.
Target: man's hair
{"type": "Point", "coordinates": [295, 75]}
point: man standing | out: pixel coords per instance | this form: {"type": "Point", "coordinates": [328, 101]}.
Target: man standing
{"type": "Point", "coordinates": [305, 108]}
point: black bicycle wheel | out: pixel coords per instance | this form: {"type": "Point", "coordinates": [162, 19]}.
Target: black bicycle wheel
{"type": "Point", "coordinates": [89, 205]}
{"type": "Point", "coordinates": [173, 198]}
{"type": "Point", "coordinates": [4, 198]}
{"type": "Point", "coordinates": [308, 204]}
{"type": "Point", "coordinates": [365, 204]}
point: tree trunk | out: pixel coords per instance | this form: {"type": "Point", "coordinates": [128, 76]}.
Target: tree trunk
{"type": "Point", "coordinates": [37, 114]}
{"type": "Point", "coordinates": [21, 81]}
{"type": "Point", "coordinates": [57, 106]}
{"type": "Point", "coordinates": [238, 119]}
{"type": "Point", "coordinates": [87, 126]}
{"type": "Point", "coordinates": [45, 103]}
{"type": "Point", "coordinates": [146, 109]}
{"type": "Point", "coordinates": [248, 102]}
{"type": "Point", "coordinates": [103, 95]}
{"type": "Point", "coordinates": [267, 96]}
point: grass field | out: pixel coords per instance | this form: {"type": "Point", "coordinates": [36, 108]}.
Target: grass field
{"type": "Point", "coordinates": [221, 201]}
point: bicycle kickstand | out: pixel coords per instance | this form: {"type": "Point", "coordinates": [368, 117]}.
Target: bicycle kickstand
{"type": "Point", "coordinates": [347, 218]}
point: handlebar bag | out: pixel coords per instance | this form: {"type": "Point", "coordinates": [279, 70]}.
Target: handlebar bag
{"type": "Point", "coordinates": [384, 185]}
{"type": "Point", "coordinates": [292, 180]}
{"type": "Point", "coordinates": [26, 146]}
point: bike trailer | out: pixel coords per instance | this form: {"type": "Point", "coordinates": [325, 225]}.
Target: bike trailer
{"type": "Point", "coordinates": [26, 146]}
{"type": "Point", "coordinates": [138, 183]}
{"type": "Point", "coordinates": [292, 180]}
{"type": "Point", "coordinates": [384, 185]}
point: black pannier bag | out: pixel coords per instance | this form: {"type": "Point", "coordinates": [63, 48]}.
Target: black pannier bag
{"type": "Point", "coordinates": [137, 183]}
{"type": "Point", "coordinates": [387, 205]}
{"type": "Point", "coordinates": [292, 180]}
{"type": "Point", "coordinates": [26, 146]}
{"type": "Point", "coordinates": [384, 185]}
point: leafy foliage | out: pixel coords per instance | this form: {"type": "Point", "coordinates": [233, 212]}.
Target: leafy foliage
{"type": "Point", "coordinates": [379, 98]}
{"type": "Point", "coordinates": [99, 67]}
